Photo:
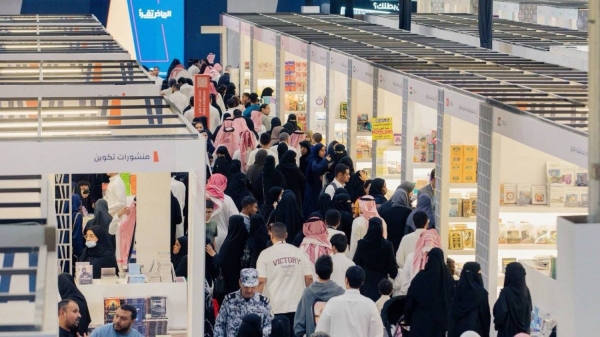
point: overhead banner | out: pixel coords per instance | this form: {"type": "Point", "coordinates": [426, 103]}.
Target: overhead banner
{"type": "Point", "coordinates": [157, 29]}
{"type": "Point", "coordinates": [202, 96]}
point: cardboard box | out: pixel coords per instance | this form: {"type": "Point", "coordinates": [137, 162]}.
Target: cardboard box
{"type": "Point", "coordinates": [469, 154]}
{"type": "Point", "coordinates": [456, 154]}
{"type": "Point", "coordinates": [456, 173]}
{"type": "Point", "coordinates": [469, 173]}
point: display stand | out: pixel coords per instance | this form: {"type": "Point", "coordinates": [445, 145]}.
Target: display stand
{"type": "Point", "coordinates": [388, 141]}
{"type": "Point", "coordinates": [263, 60]}
{"type": "Point", "coordinates": [292, 75]}
{"type": "Point", "coordinates": [152, 153]}
{"type": "Point", "coordinates": [338, 77]}
{"type": "Point", "coordinates": [317, 89]}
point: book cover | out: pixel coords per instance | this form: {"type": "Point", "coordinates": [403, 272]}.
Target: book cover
{"type": "Point", "coordinates": [466, 208]}
{"type": "Point", "coordinates": [456, 154]}
{"type": "Point", "coordinates": [155, 327]}
{"type": "Point", "coordinates": [553, 173]}
{"type": "Point", "coordinates": [362, 122]}
{"type": "Point", "coordinates": [571, 197]}
{"type": "Point", "coordinates": [344, 110]}
{"type": "Point", "coordinates": [567, 175]}
{"type": "Point", "coordinates": [84, 273]}
{"type": "Point", "coordinates": [581, 177]}
{"type": "Point", "coordinates": [557, 196]}
{"type": "Point", "coordinates": [542, 235]}
{"type": "Point", "coordinates": [111, 304]}
{"type": "Point", "coordinates": [502, 238]}
{"type": "Point", "coordinates": [524, 194]}
{"type": "Point", "coordinates": [528, 234]}
{"type": "Point", "coordinates": [513, 234]}
{"type": "Point", "coordinates": [473, 199]}
{"type": "Point", "coordinates": [510, 194]}
{"type": "Point", "coordinates": [455, 208]}
{"type": "Point", "coordinates": [538, 194]}
{"type": "Point", "coordinates": [583, 197]}
{"type": "Point", "coordinates": [468, 238]}
{"type": "Point", "coordinates": [157, 306]}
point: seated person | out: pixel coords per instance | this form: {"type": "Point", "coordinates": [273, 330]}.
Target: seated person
{"type": "Point", "coordinates": [98, 251]}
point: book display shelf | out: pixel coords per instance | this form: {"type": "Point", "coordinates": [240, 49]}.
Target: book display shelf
{"type": "Point", "coordinates": [360, 114]}
{"type": "Point", "coordinates": [292, 80]}
{"type": "Point", "coordinates": [263, 65]}
{"type": "Point", "coordinates": [317, 89]}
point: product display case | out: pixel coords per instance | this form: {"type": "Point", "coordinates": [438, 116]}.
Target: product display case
{"type": "Point", "coordinates": [264, 60]}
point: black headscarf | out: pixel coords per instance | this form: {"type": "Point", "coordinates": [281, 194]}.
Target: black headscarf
{"type": "Point", "coordinates": [469, 290]}
{"type": "Point", "coordinates": [102, 255]}
{"type": "Point", "coordinates": [251, 326]}
{"type": "Point", "coordinates": [281, 149]}
{"type": "Point", "coordinates": [228, 258]}
{"type": "Point", "coordinates": [101, 216]}
{"type": "Point", "coordinates": [512, 311]}
{"type": "Point", "coordinates": [340, 190]}
{"type": "Point", "coordinates": [288, 128]}
{"type": "Point", "coordinates": [348, 162]}
{"type": "Point", "coordinates": [280, 327]}
{"type": "Point", "coordinates": [324, 204]}
{"type": "Point", "coordinates": [432, 289]}
{"type": "Point", "coordinates": [183, 251]}
{"type": "Point", "coordinates": [210, 148]}
{"type": "Point", "coordinates": [287, 160]}
{"type": "Point", "coordinates": [267, 92]}
{"type": "Point", "coordinates": [271, 197]}
{"type": "Point", "coordinates": [222, 166]}
{"type": "Point", "coordinates": [375, 190]}
{"type": "Point", "coordinates": [304, 158]}
{"type": "Point", "coordinates": [236, 189]}
{"type": "Point", "coordinates": [235, 166]}
{"type": "Point", "coordinates": [259, 237]}
{"type": "Point", "coordinates": [293, 120]}
{"type": "Point", "coordinates": [342, 202]}
{"type": "Point", "coordinates": [374, 237]}
{"type": "Point", "coordinates": [268, 173]}
{"type": "Point", "coordinates": [289, 213]}
{"type": "Point", "coordinates": [275, 122]}
{"type": "Point", "coordinates": [68, 290]}
{"type": "Point", "coordinates": [259, 162]}
{"type": "Point", "coordinates": [222, 150]}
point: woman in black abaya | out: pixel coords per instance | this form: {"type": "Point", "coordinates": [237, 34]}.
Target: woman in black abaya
{"type": "Point", "coordinates": [98, 252]}
{"type": "Point", "coordinates": [324, 204]}
{"type": "Point", "coordinates": [259, 237]}
{"type": "Point", "coordinates": [294, 179]}
{"type": "Point", "coordinates": [470, 309]}
{"type": "Point", "coordinates": [68, 290]}
{"type": "Point", "coordinates": [271, 198]}
{"type": "Point", "coordinates": [512, 311]}
{"type": "Point", "coordinates": [378, 190]}
{"type": "Point", "coordinates": [429, 297]}
{"type": "Point", "coordinates": [180, 259]}
{"type": "Point", "coordinates": [395, 212]}
{"type": "Point", "coordinates": [268, 178]}
{"type": "Point", "coordinates": [343, 204]}
{"type": "Point", "coordinates": [236, 188]}
{"type": "Point", "coordinates": [288, 212]}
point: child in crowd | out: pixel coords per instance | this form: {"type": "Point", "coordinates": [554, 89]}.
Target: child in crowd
{"type": "Point", "coordinates": [385, 289]}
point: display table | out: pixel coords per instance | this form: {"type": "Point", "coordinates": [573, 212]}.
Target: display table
{"type": "Point", "coordinates": [176, 294]}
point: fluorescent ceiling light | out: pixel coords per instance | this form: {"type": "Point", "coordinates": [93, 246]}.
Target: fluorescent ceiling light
{"type": "Point", "coordinates": [51, 112]}
{"type": "Point", "coordinates": [24, 70]}
{"type": "Point", "coordinates": [55, 134]}
{"type": "Point", "coordinates": [9, 125]}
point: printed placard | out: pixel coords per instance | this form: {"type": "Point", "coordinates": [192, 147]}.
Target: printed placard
{"type": "Point", "coordinates": [382, 128]}
{"type": "Point", "coordinates": [338, 62]}
{"type": "Point", "coordinates": [202, 96]}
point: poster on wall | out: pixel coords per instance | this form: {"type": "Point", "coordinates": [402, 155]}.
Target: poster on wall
{"type": "Point", "coordinates": [157, 29]}
{"type": "Point", "coordinates": [202, 96]}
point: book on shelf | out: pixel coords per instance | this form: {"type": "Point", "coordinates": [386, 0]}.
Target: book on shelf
{"type": "Point", "coordinates": [456, 154]}
{"type": "Point", "coordinates": [581, 177]}
{"type": "Point", "coordinates": [567, 173]}
{"type": "Point", "coordinates": [466, 208]}
{"type": "Point", "coordinates": [510, 193]}
{"type": "Point", "coordinates": [584, 198]}
{"type": "Point", "coordinates": [524, 194]}
{"type": "Point", "coordinates": [343, 110]}
{"type": "Point", "coordinates": [111, 304]}
{"type": "Point", "coordinates": [571, 197]}
{"type": "Point", "coordinates": [156, 306]}
{"type": "Point", "coordinates": [553, 173]}
{"type": "Point", "coordinates": [362, 123]}
{"type": "Point", "coordinates": [538, 195]}
{"type": "Point", "coordinates": [140, 307]}
{"type": "Point", "coordinates": [155, 327]}
{"type": "Point", "coordinates": [455, 207]}
{"type": "Point", "coordinates": [84, 273]}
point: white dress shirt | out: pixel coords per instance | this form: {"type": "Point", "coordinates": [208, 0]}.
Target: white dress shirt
{"type": "Point", "coordinates": [193, 69]}
{"type": "Point", "coordinates": [350, 314]}
{"type": "Point", "coordinates": [270, 152]}
{"type": "Point", "coordinates": [407, 246]}
{"type": "Point", "coordinates": [179, 100]}
{"type": "Point", "coordinates": [116, 197]}
{"type": "Point", "coordinates": [341, 263]}
{"type": "Point", "coordinates": [178, 190]}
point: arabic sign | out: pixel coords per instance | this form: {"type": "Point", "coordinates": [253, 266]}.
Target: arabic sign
{"type": "Point", "coordinates": [382, 128]}
{"type": "Point", "coordinates": [127, 157]}
{"type": "Point", "coordinates": [362, 71]}
{"type": "Point", "coordinates": [423, 93]}
{"type": "Point", "coordinates": [157, 29]}
{"type": "Point", "coordinates": [338, 62]}
{"type": "Point", "coordinates": [266, 36]}
{"type": "Point", "coordinates": [461, 106]}
{"type": "Point", "coordinates": [318, 55]}
{"type": "Point", "coordinates": [202, 96]}
{"type": "Point", "coordinates": [391, 81]}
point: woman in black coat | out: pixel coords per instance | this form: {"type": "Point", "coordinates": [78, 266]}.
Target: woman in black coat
{"type": "Point", "coordinates": [512, 311]}
{"type": "Point", "coordinates": [343, 204]}
{"type": "Point", "coordinates": [230, 254]}
{"type": "Point", "coordinates": [288, 212]}
{"type": "Point", "coordinates": [259, 237]}
{"type": "Point", "coordinates": [98, 252]}
{"type": "Point", "coordinates": [470, 309]}
{"type": "Point", "coordinates": [378, 190]}
{"type": "Point", "coordinates": [376, 256]}
{"type": "Point", "coordinates": [180, 256]}
{"type": "Point", "coordinates": [294, 179]}
{"type": "Point", "coordinates": [68, 290]}
{"type": "Point", "coordinates": [429, 297]}
{"type": "Point", "coordinates": [267, 179]}
{"type": "Point", "coordinates": [395, 212]}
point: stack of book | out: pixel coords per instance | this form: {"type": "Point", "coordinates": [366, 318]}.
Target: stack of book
{"type": "Point", "coordinates": [424, 147]}
{"type": "Point", "coordinates": [463, 206]}
{"type": "Point", "coordinates": [524, 232]}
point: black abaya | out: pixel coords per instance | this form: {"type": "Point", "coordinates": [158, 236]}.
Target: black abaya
{"type": "Point", "coordinates": [68, 290]}
{"type": "Point", "coordinates": [236, 189]}
{"type": "Point", "coordinates": [267, 179]}
{"type": "Point", "coordinates": [100, 256]}
{"type": "Point", "coordinates": [259, 237]}
{"type": "Point", "coordinates": [342, 203]}
{"type": "Point", "coordinates": [512, 311]}
{"type": "Point", "coordinates": [228, 258]}
{"type": "Point", "coordinates": [470, 309]}
{"type": "Point", "coordinates": [288, 212]}
{"type": "Point", "coordinates": [294, 179]}
{"type": "Point", "coordinates": [395, 218]}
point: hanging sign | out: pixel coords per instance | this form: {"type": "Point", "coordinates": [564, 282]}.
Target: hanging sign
{"type": "Point", "coordinates": [462, 106]}
{"type": "Point", "coordinates": [318, 55]}
{"type": "Point", "coordinates": [382, 128]}
{"type": "Point", "coordinates": [391, 81]}
{"type": "Point", "coordinates": [338, 62]}
{"type": "Point", "coordinates": [423, 93]}
{"type": "Point", "coordinates": [202, 96]}
{"type": "Point", "coordinates": [362, 71]}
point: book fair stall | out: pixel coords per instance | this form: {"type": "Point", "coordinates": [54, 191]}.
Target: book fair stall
{"type": "Point", "coordinates": [143, 139]}
{"type": "Point", "coordinates": [317, 89]}
{"type": "Point", "coordinates": [264, 60]}
{"type": "Point", "coordinates": [337, 98]}
{"type": "Point", "coordinates": [360, 114]}
{"type": "Point", "coordinates": [292, 85]}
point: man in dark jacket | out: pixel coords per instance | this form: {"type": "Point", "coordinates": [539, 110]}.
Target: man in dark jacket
{"type": "Point", "coordinates": [225, 78]}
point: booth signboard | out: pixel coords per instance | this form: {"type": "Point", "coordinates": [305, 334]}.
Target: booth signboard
{"type": "Point", "coordinates": [157, 31]}
{"type": "Point", "coordinates": [202, 96]}
{"type": "Point", "coordinates": [423, 93]}
{"type": "Point", "coordinates": [245, 28]}
{"type": "Point", "coordinates": [293, 46]}
{"type": "Point", "coordinates": [461, 106]}
{"type": "Point", "coordinates": [318, 55]}
{"type": "Point", "coordinates": [563, 144]}
{"type": "Point", "coordinates": [376, 6]}
{"type": "Point", "coordinates": [266, 36]}
{"type": "Point", "coordinates": [338, 62]}
{"type": "Point", "coordinates": [382, 128]}
{"type": "Point", "coordinates": [231, 23]}
{"type": "Point", "coordinates": [391, 81]}
{"type": "Point", "coordinates": [362, 71]}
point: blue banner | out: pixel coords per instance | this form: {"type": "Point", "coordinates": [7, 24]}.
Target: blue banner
{"type": "Point", "coordinates": [157, 28]}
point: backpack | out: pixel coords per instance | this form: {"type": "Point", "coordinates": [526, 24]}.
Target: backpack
{"type": "Point", "coordinates": [325, 187]}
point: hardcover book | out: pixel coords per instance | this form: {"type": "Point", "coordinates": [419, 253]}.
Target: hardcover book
{"type": "Point", "coordinates": [557, 196]}
{"type": "Point", "coordinates": [567, 175]}
{"type": "Point", "coordinates": [510, 194]}
{"type": "Point", "coordinates": [455, 208]}
{"type": "Point", "coordinates": [571, 197]}
{"type": "Point", "coordinates": [538, 193]}
{"type": "Point", "coordinates": [524, 194]}
{"type": "Point", "coordinates": [553, 173]}
{"type": "Point", "coordinates": [581, 177]}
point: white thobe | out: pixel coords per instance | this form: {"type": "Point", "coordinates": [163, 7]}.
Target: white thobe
{"type": "Point", "coordinates": [350, 314]}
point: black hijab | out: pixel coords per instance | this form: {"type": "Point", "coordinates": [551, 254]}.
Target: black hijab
{"type": "Point", "coordinates": [222, 166]}
{"type": "Point", "coordinates": [281, 149]}
{"type": "Point", "coordinates": [259, 162]}
{"type": "Point", "coordinates": [512, 311]}
{"type": "Point", "coordinates": [210, 148]}
{"type": "Point", "coordinates": [432, 288]}
{"type": "Point", "coordinates": [376, 188]}
{"type": "Point", "coordinates": [236, 189]}
{"type": "Point", "coordinates": [251, 326]}
{"type": "Point", "coordinates": [103, 246]}
{"type": "Point", "coordinates": [287, 160]}
{"type": "Point", "coordinates": [374, 237]}
{"type": "Point", "coordinates": [101, 216]}
{"type": "Point", "coordinates": [342, 202]}
{"type": "Point", "coordinates": [324, 204]}
{"type": "Point", "coordinates": [293, 120]}
{"type": "Point", "coordinates": [183, 251]}
{"type": "Point", "coordinates": [288, 128]}
{"type": "Point", "coordinates": [235, 166]}
{"type": "Point", "coordinates": [272, 196]}
{"type": "Point", "coordinates": [222, 150]}
{"type": "Point", "coordinates": [280, 326]}
{"type": "Point", "coordinates": [268, 173]}
{"type": "Point", "coordinates": [289, 213]}
{"type": "Point", "coordinates": [470, 292]}
{"type": "Point", "coordinates": [230, 254]}
{"type": "Point", "coordinates": [68, 290]}
{"type": "Point", "coordinates": [259, 237]}
{"type": "Point", "coordinates": [275, 122]}
{"type": "Point", "coordinates": [304, 158]}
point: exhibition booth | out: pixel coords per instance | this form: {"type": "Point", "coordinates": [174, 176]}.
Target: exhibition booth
{"type": "Point", "coordinates": [264, 61]}
{"type": "Point", "coordinates": [557, 13]}
{"type": "Point", "coordinates": [481, 118]}
{"type": "Point", "coordinates": [292, 80]}
{"type": "Point", "coordinates": [145, 140]}
{"type": "Point", "coordinates": [317, 89]}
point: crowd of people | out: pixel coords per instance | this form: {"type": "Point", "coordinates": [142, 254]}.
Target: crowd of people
{"type": "Point", "coordinates": [299, 243]}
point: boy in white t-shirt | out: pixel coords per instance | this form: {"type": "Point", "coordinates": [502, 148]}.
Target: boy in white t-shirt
{"type": "Point", "coordinates": [283, 273]}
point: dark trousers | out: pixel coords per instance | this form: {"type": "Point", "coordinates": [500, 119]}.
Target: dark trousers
{"type": "Point", "coordinates": [290, 316]}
